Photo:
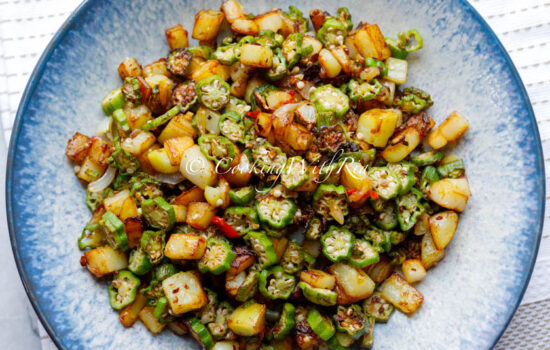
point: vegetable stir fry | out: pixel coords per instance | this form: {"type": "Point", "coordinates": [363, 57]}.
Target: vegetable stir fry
{"type": "Point", "coordinates": [275, 188]}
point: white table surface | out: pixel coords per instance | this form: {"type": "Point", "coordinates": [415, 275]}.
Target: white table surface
{"type": "Point", "coordinates": [26, 26]}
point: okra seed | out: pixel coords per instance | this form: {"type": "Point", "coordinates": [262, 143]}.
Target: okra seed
{"type": "Point", "coordinates": [300, 85]}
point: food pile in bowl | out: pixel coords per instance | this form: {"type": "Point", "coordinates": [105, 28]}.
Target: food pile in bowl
{"type": "Point", "coordinates": [274, 188]}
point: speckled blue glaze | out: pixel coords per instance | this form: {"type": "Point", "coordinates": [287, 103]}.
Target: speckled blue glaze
{"type": "Point", "coordinates": [469, 298]}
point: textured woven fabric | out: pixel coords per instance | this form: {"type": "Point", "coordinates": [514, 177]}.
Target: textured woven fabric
{"type": "Point", "coordinates": [529, 328]}
{"type": "Point", "coordinates": [26, 26]}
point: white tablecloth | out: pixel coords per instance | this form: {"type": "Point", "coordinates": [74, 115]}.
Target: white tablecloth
{"type": "Point", "coordinates": [26, 27]}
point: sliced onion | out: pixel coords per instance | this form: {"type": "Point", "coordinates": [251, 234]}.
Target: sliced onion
{"type": "Point", "coordinates": [282, 118]}
{"type": "Point", "coordinates": [104, 126]}
{"type": "Point", "coordinates": [104, 181]}
{"type": "Point", "coordinates": [170, 179]}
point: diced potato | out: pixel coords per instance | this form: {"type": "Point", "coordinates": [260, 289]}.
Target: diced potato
{"type": "Point", "coordinates": [143, 159]}
{"type": "Point", "coordinates": [376, 126]}
{"type": "Point", "coordinates": [129, 315]}
{"type": "Point", "coordinates": [238, 87]}
{"type": "Point", "coordinates": [245, 26]}
{"type": "Point", "coordinates": [244, 259]}
{"type": "Point", "coordinates": [256, 56]}
{"type": "Point", "coordinates": [276, 99]}
{"type": "Point", "coordinates": [232, 9]}
{"type": "Point", "coordinates": [158, 67]}
{"type": "Point", "coordinates": [147, 316]}
{"type": "Point", "coordinates": [161, 99]}
{"type": "Point", "coordinates": [354, 282]}
{"type": "Point", "coordinates": [199, 215]}
{"type": "Point", "coordinates": [263, 124]}
{"type": "Point", "coordinates": [178, 126]}
{"type": "Point", "coordinates": [226, 345]}
{"type": "Point", "coordinates": [210, 68]}
{"type": "Point", "coordinates": [448, 131]}
{"type": "Point", "coordinates": [105, 260]}
{"type": "Point", "coordinates": [450, 193]}
{"type": "Point", "coordinates": [370, 42]}
{"type": "Point", "coordinates": [138, 142]}
{"type": "Point", "coordinates": [218, 196]}
{"type": "Point", "coordinates": [422, 226]}
{"type": "Point", "coordinates": [233, 282]}
{"type": "Point", "coordinates": [207, 120]}
{"type": "Point", "coordinates": [318, 279]}
{"type": "Point", "coordinates": [247, 320]}
{"type": "Point", "coordinates": [329, 63]}
{"type": "Point", "coordinates": [134, 229]}
{"type": "Point", "coordinates": [184, 292]}
{"type": "Point", "coordinates": [194, 194]}
{"type": "Point", "coordinates": [397, 70]}
{"type": "Point", "coordinates": [313, 182]}
{"type": "Point", "coordinates": [177, 37]}
{"type": "Point", "coordinates": [194, 65]}
{"type": "Point", "coordinates": [349, 43]}
{"type": "Point", "coordinates": [115, 202]}
{"type": "Point", "coordinates": [443, 227]}
{"type": "Point", "coordinates": [381, 270]}
{"type": "Point", "coordinates": [181, 212]}
{"type": "Point", "coordinates": [253, 84]}
{"type": "Point", "coordinates": [413, 270]}
{"type": "Point", "coordinates": [185, 246]}
{"type": "Point", "coordinates": [453, 126]}
{"type": "Point", "coordinates": [78, 147]}
{"type": "Point", "coordinates": [240, 174]}
{"type": "Point", "coordinates": [354, 176]}
{"type": "Point", "coordinates": [405, 141]}
{"type": "Point", "coordinates": [402, 295]}
{"type": "Point", "coordinates": [341, 55]}
{"type": "Point", "coordinates": [279, 246]}
{"type": "Point", "coordinates": [272, 20]}
{"type": "Point", "coordinates": [90, 171]}
{"type": "Point", "coordinates": [99, 151]}
{"type": "Point", "coordinates": [429, 254]}
{"type": "Point", "coordinates": [176, 146]}
{"type": "Point", "coordinates": [129, 68]}
{"type": "Point", "coordinates": [298, 137]}
{"type": "Point", "coordinates": [436, 140]}
{"type": "Point", "coordinates": [137, 116]}
{"type": "Point", "coordinates": [129, 209]}
{"type": "Point", "coordinates": [315, 44]}
{"type": "Point", "coordinates": [207, 24]}
{"type": "Point", "coordinates": [160, 161]}
{"type": "Point", "coordinates": [196, 168]}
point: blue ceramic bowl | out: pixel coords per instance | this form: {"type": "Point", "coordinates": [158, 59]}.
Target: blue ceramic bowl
{"type": "Point", "coordinates": [469, 298]}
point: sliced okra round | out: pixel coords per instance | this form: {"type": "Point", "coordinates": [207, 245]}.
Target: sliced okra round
{"type": "Point", "coordinates": [276, 284]}
{"type": "Point", "coordinates": [276, 212]}
{"type": "Point", "coordinates": [123, 289]}
{"type": "Point", "coordinates": [213, 92]}
{"type": "Point", "coordinates": [351, 320]}
{"type": "Point", "coordinates": [319, 296]}
{"type": "Point", "coordinates": [217, 257]}
{"type": "Point", "coordinates": [178, 61]}
{"type": "Point", "coordinates": [158, 213]}
{"type": "Point", "coordinates": [337, 244]}
{"type": "Point", "coordinates": [385, 182]}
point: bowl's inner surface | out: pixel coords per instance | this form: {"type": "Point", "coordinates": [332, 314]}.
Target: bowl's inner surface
{"type": "Point", "coordinates": [468, 297]}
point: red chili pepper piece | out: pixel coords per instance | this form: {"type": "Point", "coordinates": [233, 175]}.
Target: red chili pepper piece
{"type": "Point", "coordinates": [226, 229]}
{"type": "Point", "coordinates": [292, 99]}
{"type": "Point", "coordinates": [372, 194]}
{"type": "Point", "coordinates": [253, 114]}
{"type": "Point", "coordinates": [351, 191]}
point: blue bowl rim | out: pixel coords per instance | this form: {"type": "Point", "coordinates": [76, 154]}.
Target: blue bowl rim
{"type": "Point", "coordinates": [81, 11]}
